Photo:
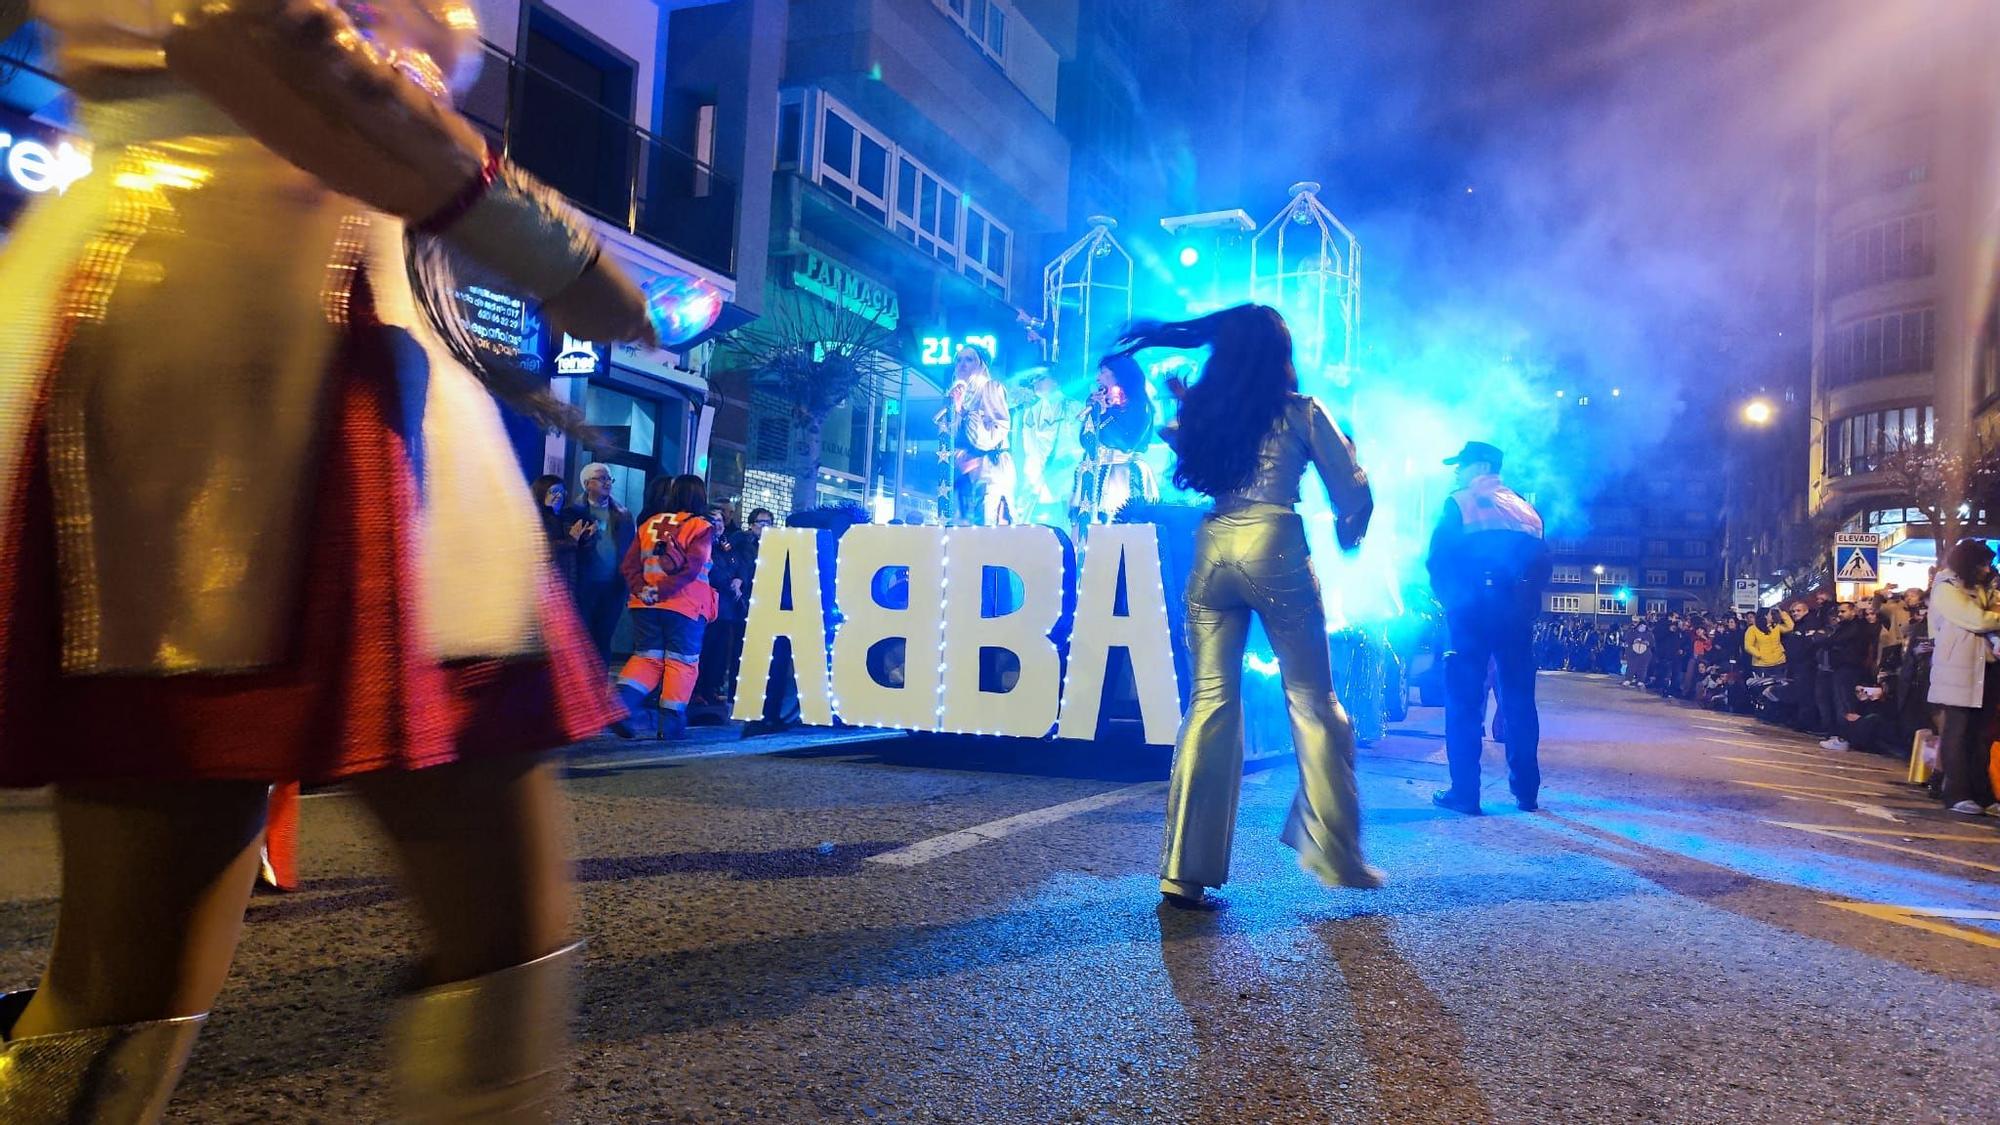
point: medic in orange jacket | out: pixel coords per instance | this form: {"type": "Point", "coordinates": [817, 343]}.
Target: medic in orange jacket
{"type": "Point", "coordinates": [666, 567]}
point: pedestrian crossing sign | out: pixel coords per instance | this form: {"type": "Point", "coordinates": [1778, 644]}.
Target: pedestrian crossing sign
{"type": "Point", "coordinates": [1857, 557]}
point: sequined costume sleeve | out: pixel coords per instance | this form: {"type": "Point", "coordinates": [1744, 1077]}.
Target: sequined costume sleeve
{"type": "Point", "coordinates": [987, 422]}
{"type": "Point", "coordinates": [298, 76]}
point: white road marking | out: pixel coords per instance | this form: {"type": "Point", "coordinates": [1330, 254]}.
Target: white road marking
{"type": "Point", "coordinates": [1855, 760]}
{"type": "Point", "coordinates": [1788, 767]}
{"type": "Point", "coordinates": [1865, 836]}
{"type": "Point", "coordinates": [1817, 757]}
{"type": "Point", "coordinates": [937, 847]}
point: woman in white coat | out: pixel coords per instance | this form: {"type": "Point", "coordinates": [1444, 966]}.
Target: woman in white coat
{"type": "Point", "coordinates": [1965, 615]}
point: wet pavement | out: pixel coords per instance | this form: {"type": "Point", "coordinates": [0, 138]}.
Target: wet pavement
{"type": "Point", "coordinates": [1709, 921]}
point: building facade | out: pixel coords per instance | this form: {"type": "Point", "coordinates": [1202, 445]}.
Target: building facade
{"type": "Point", "coordinates": [1657, 542]}
{"type": "Point", "coordinates": [916, 174]}
{"type": "Point", "coordinates": [575, 92]}
{"type": "Point", "coordinates": [1905, 387]}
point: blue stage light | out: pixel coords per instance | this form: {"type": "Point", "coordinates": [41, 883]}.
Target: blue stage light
{"type": "Point", "coordinates": [1189, 256]}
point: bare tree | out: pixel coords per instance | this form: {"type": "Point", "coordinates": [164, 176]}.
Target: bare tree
{"type": "Point", "coordinates": [1801, 553]}
{"type": "Point", "coordinates": [1940, 484]}
{"type": "Point", "coordinates": [815, 356]}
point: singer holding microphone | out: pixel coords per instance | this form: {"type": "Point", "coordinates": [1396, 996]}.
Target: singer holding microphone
{"type": "Point", "coordinates": [1115, 428]}
{"type": "Point", "coordinates": [976, 424]}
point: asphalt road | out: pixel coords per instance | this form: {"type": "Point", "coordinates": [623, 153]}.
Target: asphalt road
{"type": "Point", "coordinates": [1709, 921]}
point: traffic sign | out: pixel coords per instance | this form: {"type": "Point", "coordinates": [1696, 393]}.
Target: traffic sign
{"type": "Point", "coordinates": [1857, 557]}
{"type": "Point", "coordinates": [1743, 598]}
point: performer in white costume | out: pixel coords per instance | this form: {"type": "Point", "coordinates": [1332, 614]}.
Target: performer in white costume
{"type": "Point", "coordinates": [246, 475]}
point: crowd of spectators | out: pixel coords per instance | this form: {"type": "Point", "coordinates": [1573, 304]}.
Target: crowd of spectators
{"type": "Point", "coordinates": [1879, 675]}
{"type": "Point", "coordinates": [1565, 644]}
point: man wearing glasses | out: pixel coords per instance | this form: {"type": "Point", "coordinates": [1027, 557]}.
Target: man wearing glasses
{"type": "Point", "coordinates": [600, 588]}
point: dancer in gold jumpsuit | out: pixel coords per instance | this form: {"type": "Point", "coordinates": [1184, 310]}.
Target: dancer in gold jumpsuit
{"type": "Point", "coordinates": [1245, 436]}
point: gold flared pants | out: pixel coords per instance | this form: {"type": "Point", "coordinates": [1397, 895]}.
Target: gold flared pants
{"type": "Point", "coordinates": [1254, 560]}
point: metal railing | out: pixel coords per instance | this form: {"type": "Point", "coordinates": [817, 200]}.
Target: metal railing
{"type": "Point", "coordinates": [606, 164]}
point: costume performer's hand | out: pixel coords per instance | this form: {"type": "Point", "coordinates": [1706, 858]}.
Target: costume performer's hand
{"type": "Point", "coordinates": [604, 306]}
{"type": "Point", "coordinates": [1350, 528]}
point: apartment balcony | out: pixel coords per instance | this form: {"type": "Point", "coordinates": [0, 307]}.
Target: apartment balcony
{"type": "Point", "coordinates": [605, 164]}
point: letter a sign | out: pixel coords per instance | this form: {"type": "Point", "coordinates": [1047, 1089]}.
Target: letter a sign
{"type": "Point", "coordinates": [1857, 557]}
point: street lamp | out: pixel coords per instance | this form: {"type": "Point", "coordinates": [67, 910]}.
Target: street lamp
{"type": "Point", "coordinates": [1759, 412]}
{"type": "Point", "coordinates": [1596, 580]}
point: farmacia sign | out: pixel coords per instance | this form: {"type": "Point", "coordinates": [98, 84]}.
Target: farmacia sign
{"type": "Point", "coordinates": [1060, 622]}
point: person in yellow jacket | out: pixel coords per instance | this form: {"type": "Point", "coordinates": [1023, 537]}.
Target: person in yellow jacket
{"type": "Point", "coordinates": [1764, 639]}
{"type": "Point", "coordinates": [666, 569]}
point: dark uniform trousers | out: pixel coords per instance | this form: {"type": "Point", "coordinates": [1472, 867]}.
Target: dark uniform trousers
{"type": "Point", "coordinates": [1504, 641]}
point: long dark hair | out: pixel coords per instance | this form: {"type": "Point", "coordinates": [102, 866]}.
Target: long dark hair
{"type": "Point", "coordinates": [686, 494]}
{"type": "Point", "coordinates": [1127, 376]}
{"type": "Point", "coordinates": [540, 487]}
{"type": "Point", "coordinates": [1243, 387]}
{"type": "Point", "coordinates": [1972, 561]}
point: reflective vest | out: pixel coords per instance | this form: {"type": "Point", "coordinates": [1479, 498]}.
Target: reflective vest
{"type": "Point", "coordinates": [1488, 505]}
{"type": "Point", "coordinates": [674, 550]}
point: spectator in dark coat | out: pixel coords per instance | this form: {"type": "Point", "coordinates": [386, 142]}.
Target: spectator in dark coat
{"type": "Point", "coordinates": [729, 573]}
{"type": "Point", "coordinates": [1849, 649]}
{"type": "Point", "coordinates": [551, 497]}
{"type": "Point", "coordinates": [600, 589]}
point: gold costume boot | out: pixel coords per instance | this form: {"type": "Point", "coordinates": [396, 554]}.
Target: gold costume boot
{"type": "Point", "coordinates": [121, 1075]}
{"type": "Point", "coordinates": [1254, 561]}
{"type": "Point", "coordinates": [489, 1049]}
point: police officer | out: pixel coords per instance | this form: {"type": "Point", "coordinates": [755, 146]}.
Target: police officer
{"type": "Point", "coordinates": [1488, 565]}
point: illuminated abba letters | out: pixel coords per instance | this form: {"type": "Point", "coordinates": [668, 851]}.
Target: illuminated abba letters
{"type": "Point", "coordinates": [865, 552]}
{"type": "Point", "coordinates": [785, 602]}
{"type": "Point", "coordinates": [1123, 559]}
{"type": "Point", "coordinates": [1036, 557]}
{"type": "Point", "coordinates": [951, 596]}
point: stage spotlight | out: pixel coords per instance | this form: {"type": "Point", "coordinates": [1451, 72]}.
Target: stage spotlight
{"type": "Point", "coordinates": [1189, 256]}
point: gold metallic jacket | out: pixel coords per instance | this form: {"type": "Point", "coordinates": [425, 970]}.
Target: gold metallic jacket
{"type": "Point", "coordinates": [174, 317]}
{"type": "Point", "coordinates": [1303, 436]}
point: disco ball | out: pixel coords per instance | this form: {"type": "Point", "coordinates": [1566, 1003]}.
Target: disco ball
{"type": "Point", "coordinates": [681, 307]}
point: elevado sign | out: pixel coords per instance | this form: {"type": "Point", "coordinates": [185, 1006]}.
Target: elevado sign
{"type": "Point", "coordinates": [1060, 623]}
